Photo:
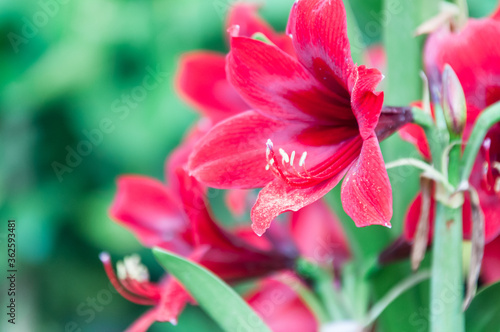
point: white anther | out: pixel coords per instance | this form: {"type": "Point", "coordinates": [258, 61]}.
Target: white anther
{"type": "Point", "coordinates": [267, 167]}
{"type": "Point", "coordinates": [387, 225]}
{"type": "Point", "coordinates": [292, 157]}
{"type": "Point", "coordinates": [133, 269]}
{"type": "Point", "coordinates": [284, 156]}
{"type": "Point", "coordinates": [496, 165]}
{"type": "Point", "coordinates": [497, 185]}
{"type": "Point", "coordinates": [302, 160]}
{"type": "Point", "coordinates": [122, 271]}
{"type": "Point", "coordinates": [271, 161]}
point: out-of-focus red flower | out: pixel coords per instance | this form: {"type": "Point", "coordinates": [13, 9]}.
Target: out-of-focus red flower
{"type": "Point", "coordinates": [280, 307]}
{"type": "Point", "coordinates": [313, 121]}
{"type": "Point", "coordinates": [477, 65]}
{"type": "Point", "coordinates": [182, 223]}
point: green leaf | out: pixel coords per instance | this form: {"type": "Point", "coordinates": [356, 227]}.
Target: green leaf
{"type": "Point", "coordinates": [216, 298]}
{"type": "Point", "coordinates": [484, 311]}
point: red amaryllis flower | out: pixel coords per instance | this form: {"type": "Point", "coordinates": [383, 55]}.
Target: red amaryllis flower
{"type": "Point", "coordinates": [181, 222]}
{"type": "Point", "coordinates": [280, 306]}
{"type": "Point", "coordinates": [313, 122]}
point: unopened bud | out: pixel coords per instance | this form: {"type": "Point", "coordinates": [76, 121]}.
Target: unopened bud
{"type": "Point", "coordinates": [453, 102]}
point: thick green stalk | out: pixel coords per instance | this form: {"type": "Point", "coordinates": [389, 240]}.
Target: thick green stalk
{"type": "Point", "coordinates": [447, 277]}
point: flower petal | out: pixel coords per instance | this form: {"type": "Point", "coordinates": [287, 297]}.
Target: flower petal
{"type": "Point", "coordinates": [288, 314]}
{"type": "Point", "coordinates": [415, 135]}
{"type": "Point", "coordinates": [173, 301]}
{"type": "Point", "coordinates": [201, 81]}
{"type": "Point", "coordinates": [276, 84]}
{"type": "Point", "coordinates": [233, 153]}
{"type": "Point", "coordinates": [319, 235]}
{"type": "Point", "coordinates": [278, 197]}
{"type": "Point", "coordinates": [366, 190]}
{"type": "Point", "coordinates": [366, 104]}
{"type": "Point", "coordinates": [319, 30]}
{"type": "Point", "coordinates": [245, 15]}
{"type": "Point", "coordinates": [149, 210]}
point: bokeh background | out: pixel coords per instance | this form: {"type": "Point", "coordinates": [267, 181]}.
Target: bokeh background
{"type": "Point", "coordinates": [65, 67]}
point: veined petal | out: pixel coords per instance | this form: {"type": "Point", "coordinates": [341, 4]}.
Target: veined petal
{"type": "Point", "coordinates": [148, 209]}
{"type": "Point", "coordinates": [245, 15]}
{"type": "Point", "coordinates": [318, 234]}
{"type": "Point", "coordinates": [233, 153]}
{"type": "Point", "coordinates": [277, 85]}
{"type": "Point", "coordinates": [278, 197]}
{"type": "Point", "coordinates": [366, 104]}
{"type": "Point", "coordinates": [201, 81]}
{"type": "Point", "coordinates": [319, 34]}
{"type": "Point", "coordinates": [366, 190]}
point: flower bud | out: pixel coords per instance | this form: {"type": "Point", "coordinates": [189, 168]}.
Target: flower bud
{"type": "Point", "coordinates": [453, 102]}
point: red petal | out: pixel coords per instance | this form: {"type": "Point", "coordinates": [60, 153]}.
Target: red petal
{"type": "Point", "coordinates": [319, 30]}
{"type": "Point", "coordinates": [202, 82]}
{"type": "Point", "coordinates": [319, 235]}
{"type": "Point", "coordinates": [245, 15]}
{"type": "Point", "coordinates": [366, 190]}
{"type": "Point", "coordinates": [412, 218]}
{"type": "Point", "coordinates": [233, 153]}
{"type": "Point", "coordinates": [173, 301]}
{"type": "Point", "coordinates": [278, 197]}
{"type": "Point", "coordinates": [415, 135]}
{"type": "Point", "coordinates": [148, 209]}
{"type": "Point", "coordinates": [281, 308]}
{"type": "Point", "coordinates": [228, 256]}
{"type": "Point", "coordinates": [491, 262]}
{"type": "Point", "coordinates": [276, 84]}
{"type": "Point", "coordinates": [365, 103]}
{"type": "Point", "coordinates": [474, 58]}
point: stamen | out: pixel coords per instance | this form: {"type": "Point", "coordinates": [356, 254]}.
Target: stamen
{"type": "Point", "coordinates": [497, 185]}
{"type": "Point", "coordinates": [134, 269]}
{"type": "Point", "coordinates": [496, 165]}
{"type": "Point", "coordinates": [302, 160]}
{"type": "Point", "coordinates": [284, 156]}
{"type": "Point", "coordinates": [292, 157]}
{"type": "Point", "coordinates": [267, 167]}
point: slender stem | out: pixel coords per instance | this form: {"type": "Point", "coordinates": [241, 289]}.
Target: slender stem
{"type": "Point", "coordinates": [431, 171]}
{"type": "Point", "coordinates": [447, 277]}
{"type": "Point", "coordinates": [488, 118]}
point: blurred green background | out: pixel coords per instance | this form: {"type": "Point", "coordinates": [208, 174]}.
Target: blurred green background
{"type": "Point", "coordinates": [65, 66]}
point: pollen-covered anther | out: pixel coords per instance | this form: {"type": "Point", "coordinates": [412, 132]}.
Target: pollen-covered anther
{"type": "Point", "coordinates": [131, 268]}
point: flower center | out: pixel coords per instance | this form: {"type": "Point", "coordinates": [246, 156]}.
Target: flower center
{"type": "Point", "coordinates": [286, 170]}
{"type": "Point", "coordinates": [131, 268]}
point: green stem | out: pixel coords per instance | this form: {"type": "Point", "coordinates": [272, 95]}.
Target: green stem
{"type": "Point", "coordinates": [447, 277]}
{"type": "Point", "coordinates": [488, 118]}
